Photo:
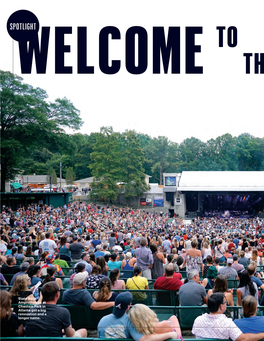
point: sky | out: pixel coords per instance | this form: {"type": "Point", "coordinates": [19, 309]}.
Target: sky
{"type": "Point", "coordinates": [223, 99]}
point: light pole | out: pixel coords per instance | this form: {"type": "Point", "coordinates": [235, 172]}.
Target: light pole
{"type": "Point", "coordinates": [50, 182]}
{"type": "Point", "coordinates": [60, 175]}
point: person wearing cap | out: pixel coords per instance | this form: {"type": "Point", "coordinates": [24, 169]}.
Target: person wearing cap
{"type": "Point", "coordinates": [228, 271]}
{"type": "Point", "coordinates": [78, 295]}
{"type": "Point", "coordinates": [76, 249]}
{"type": "Point", "coordinates": [118, 325]}
{"type": "Point", "coordinates": [217, 325]}
{"type": "Point", "coordinates": [56, 318]}
{"type": "Point", "coordinates": [23, 269]}
{"type": "Point", "coordinates": [236, 265]}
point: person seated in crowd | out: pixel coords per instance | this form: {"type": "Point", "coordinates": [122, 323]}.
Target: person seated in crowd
{"type": "Point", "coordinates": [50, 277]}
{"type": "Point", "coordinates": [80, 267]}
{"type": "Point", "coordinates": [34, 272]}
{"type": "Point", "coordinates": [192, 293]}
{"type": "Point", "coordinates": [20, 292]}
{"type": "Point", "coordinates": [216, 263]}
{"type": "Point", "coordinates": [209, 262]}
{"type": "Point", "coordinates": [11, 267]}
{"type": "Point", "coordinates": [114, 262]}
{"type": "Point", "coordinates": [168, 282]}
{"type": "Point", "coordinates": [242, 259]}
{"type": "Point", "coordinates": [115, 282]}
{"type": "Point", "coordinates": [145, 321]}
{"type": "Point", "coordinates": [217, 325]}
{"type": "Point", "coordinates": [211, 275]}
{"type": "Point", "coordinates": [103, 264]}
{"type": "Point", "coordinates": [50, 258]}
{"type": "Point", "coordinates": [227, 270]}
{"type": "Point", "coordinates": [246, 287]}
{"type": "Point", "coordinates": [137, 282]}
{"type": "Point", "coordinates": [98, 251]}
{"type": "Point", "coordinates": [250, 323]}
{"type": "Point", "coordinates": [86, 260]}
{"type": "Point", "coordinates": [61, 262]}
{"type": "Point", "coordinates": [104, 294]}
{"type": "Point", "coordinates": [118, 325]}
{"type": "Point", "coordinates": [255, 277]}
{"type": "Point", "coordinates": [221, 285]}
{"type": "Point", "coordinates": [55, 321]}
{"type": "Point", "coordinates": [95, 277]}
{"type": "Point", "coordinates": [78, 295]}
{"type": "Point", "coordinates": [238, 267]}
{"type": "Point", "coordinates": [10, 323]}
{"type": "Point", "coordinates": [23, 270]}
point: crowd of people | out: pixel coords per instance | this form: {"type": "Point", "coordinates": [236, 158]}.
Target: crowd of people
{"type": "Point", "coordinates": [102, 241]}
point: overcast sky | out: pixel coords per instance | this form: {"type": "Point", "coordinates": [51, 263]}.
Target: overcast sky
{"type": "Point", "coordinates": [224, 99]}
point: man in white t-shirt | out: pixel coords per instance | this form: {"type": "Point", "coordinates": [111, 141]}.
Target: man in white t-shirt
{"type": "Point", "coordinates": [48, 245]}
{"type": "Point", "coordinates": [217, 326]}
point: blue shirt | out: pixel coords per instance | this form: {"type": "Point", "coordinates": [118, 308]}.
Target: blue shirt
{"type": "Point", "coordinates": [253, 324]}
{"type": "Point", "coordinates": [112, 327]}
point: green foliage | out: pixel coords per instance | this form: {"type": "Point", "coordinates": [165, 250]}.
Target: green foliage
{"type": "Point", "coordinates": [70, 176]}
{"type": "Point", "coordinates": [160, 155]}
{"type": "Point", "coordinates": [133, 177]}
{"type": "Point", "coordinates": [51, 173]}
{"type": "Point", "coordinates": [106, 166]}
{"type": "Point", "coordinates": [28, 120]}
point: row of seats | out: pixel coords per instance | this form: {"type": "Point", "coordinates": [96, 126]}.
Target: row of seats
{"type": "Point", "coordinates": [84, 317]}
{"type": "Point", "coordinates": [86, 339]}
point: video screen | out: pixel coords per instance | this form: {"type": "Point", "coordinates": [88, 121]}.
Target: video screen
{"type": "Point", "coordinates": [170, 180]}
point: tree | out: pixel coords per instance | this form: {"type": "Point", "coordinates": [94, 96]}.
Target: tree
{"type": "Point", "coordinates": [133, 177]}
{"type": "Point", "coordinates": [28, 120]}
{"type": "Point", "coordinates": [106, 166]}
{"type": "Point", "coordinates": [159, 154]}
{"type": "Point", "coordinates": [70, 176]}
{"type": "Point", "coordinates": [52, 174]}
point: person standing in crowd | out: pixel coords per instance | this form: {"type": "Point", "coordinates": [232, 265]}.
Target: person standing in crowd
{"type": "Point", "coordinates": [76, 249]}
{"type": "Point", "coordinates": [157, 269]}
{"type": "Point", "coordinates": [48, 245]}
{"type": "Point", "coordinates": [144, 258]}
{"type": "Point", "coordinates": [193, 259]}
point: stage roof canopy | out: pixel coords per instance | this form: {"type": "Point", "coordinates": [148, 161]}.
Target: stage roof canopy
{"type": "Point", "coordinates": [221, 181]}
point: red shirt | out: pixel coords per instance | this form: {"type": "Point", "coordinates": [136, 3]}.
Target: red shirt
{"type": "Point", "coordinates": [164, 283]}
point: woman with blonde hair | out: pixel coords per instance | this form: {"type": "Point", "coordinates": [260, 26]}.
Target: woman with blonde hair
{"type": "Point", "coordinates": [20, 292]}
{"type": "Point", "coordinates": [146, 322]}
{"type": "Point", "coordinates": [10, 323]}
